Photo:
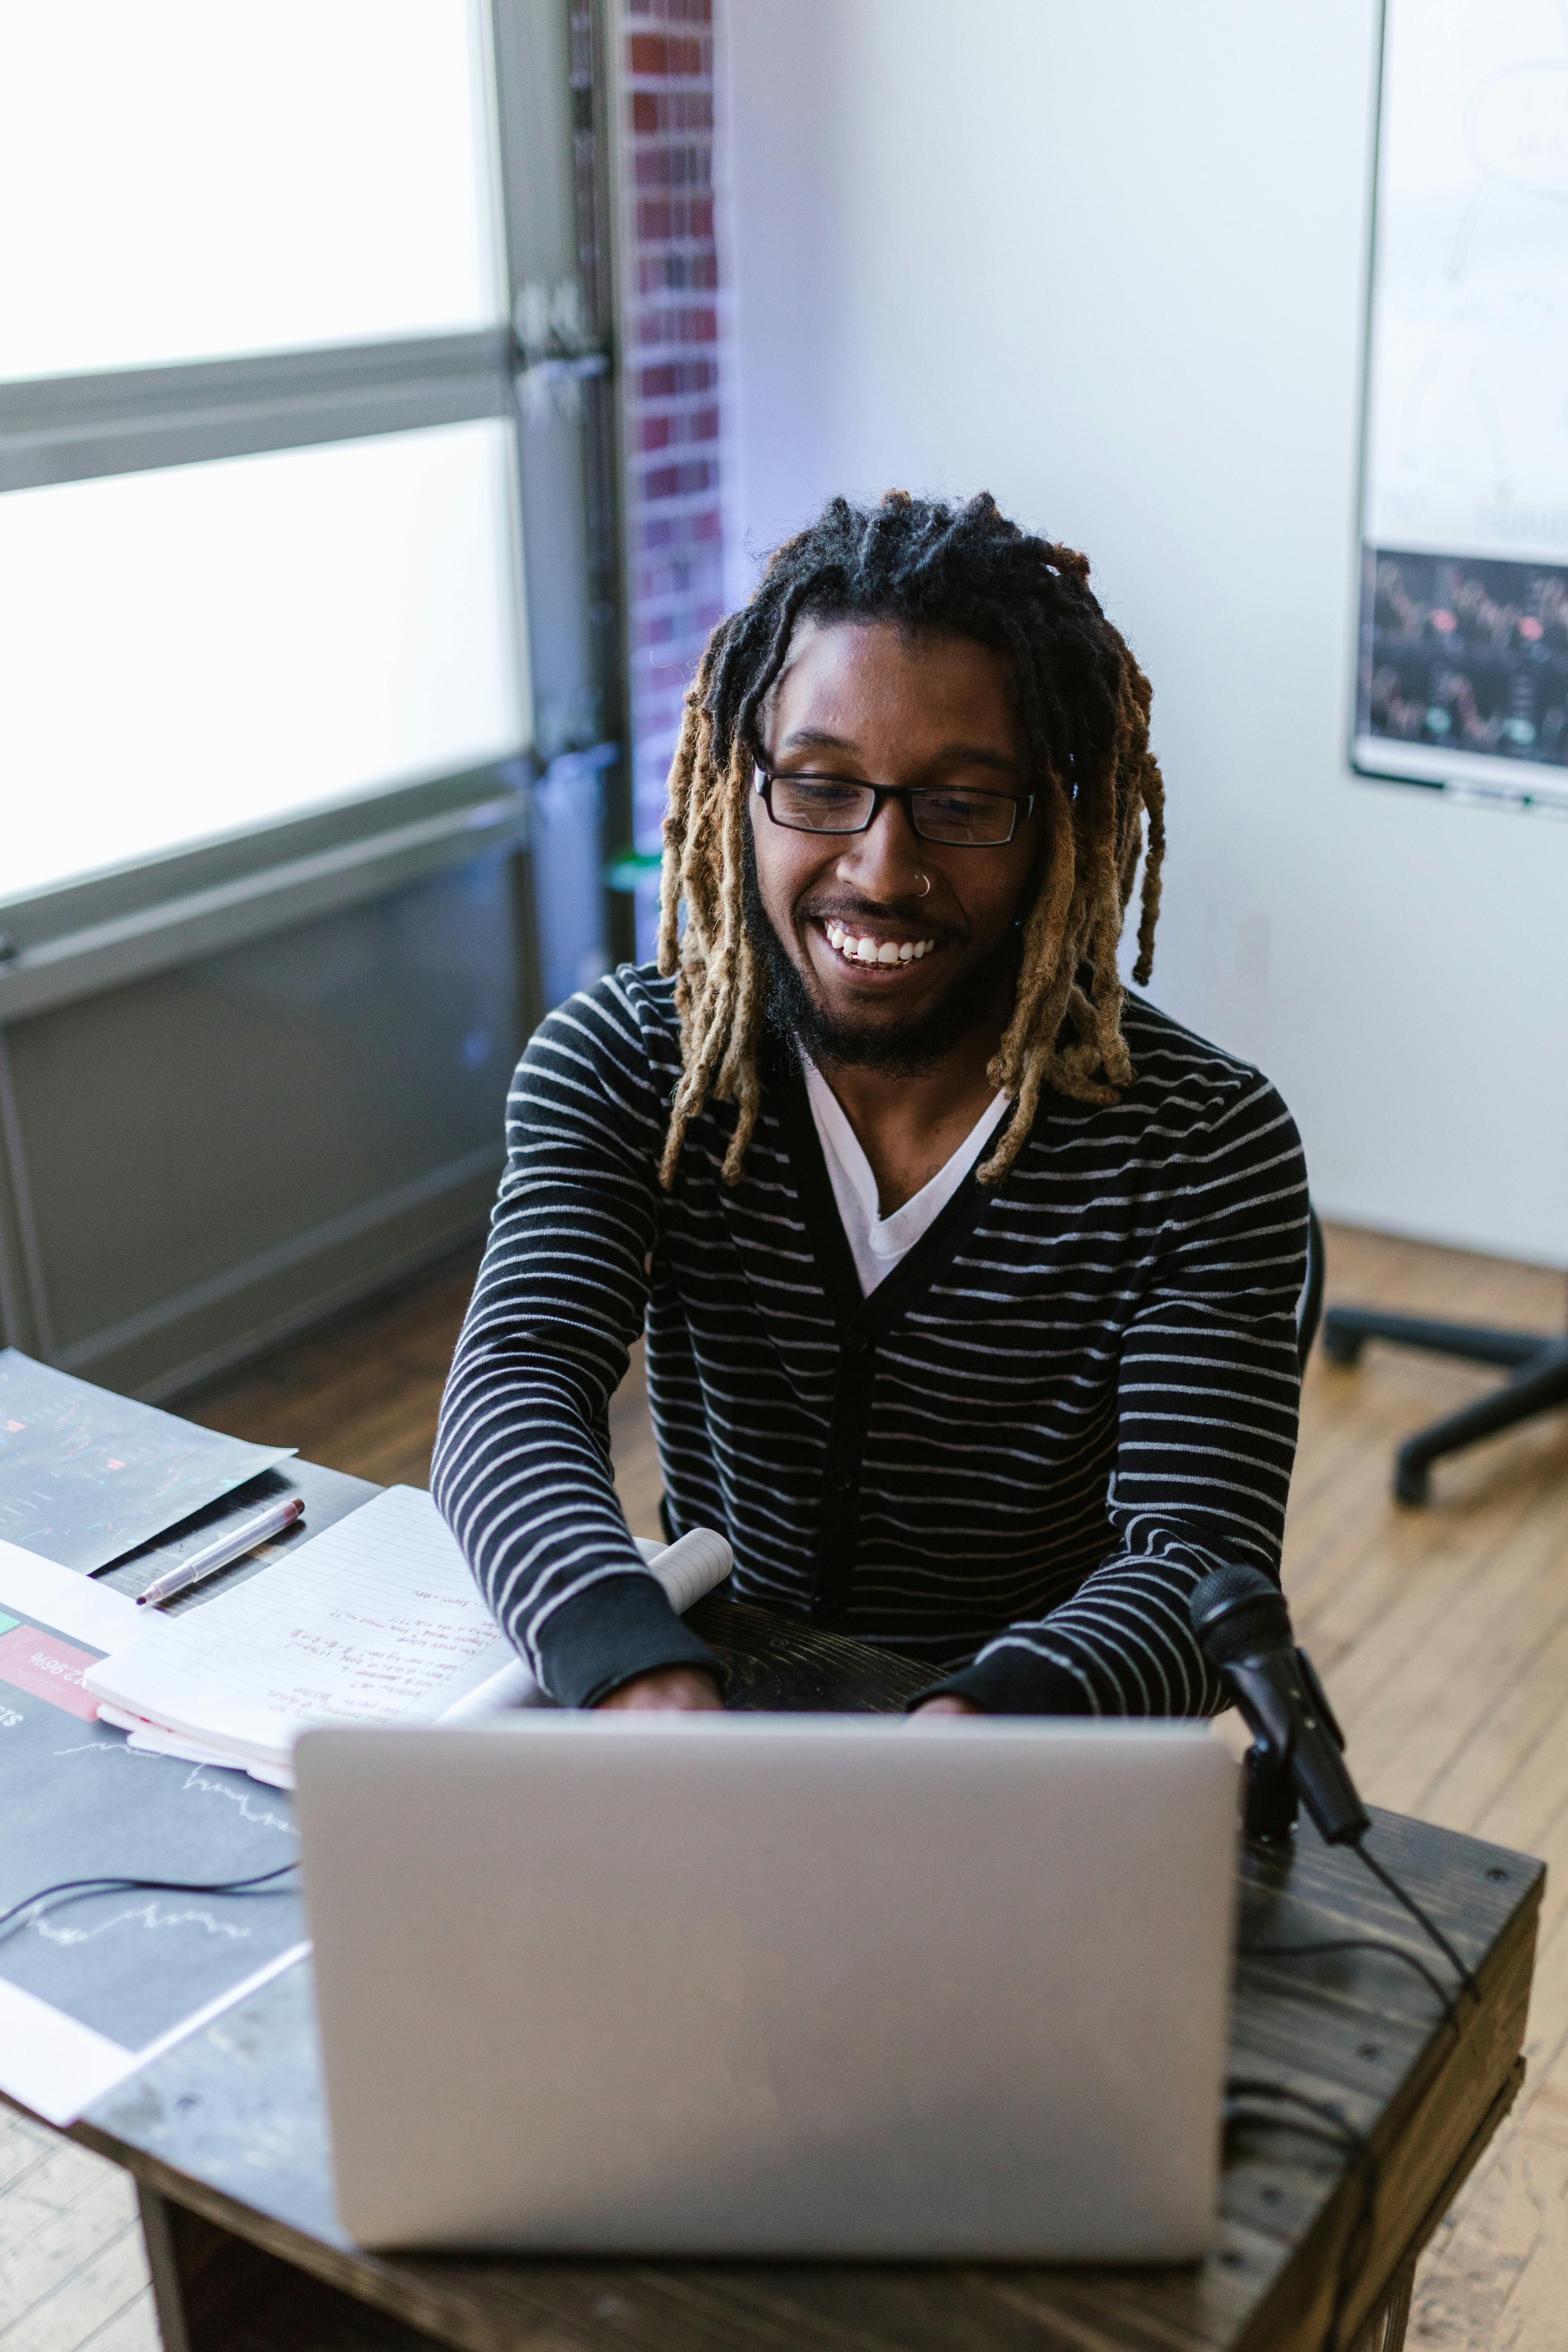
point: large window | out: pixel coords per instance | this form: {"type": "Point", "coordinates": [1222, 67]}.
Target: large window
{"type": "Point", "coordinates": [259, 545]}
{"type": "Point", "coordinates": [190, 180]}
{"type": "Point", "coordinates": [197, 650]}
{"type": "Point", "coordinates": [304, 343]}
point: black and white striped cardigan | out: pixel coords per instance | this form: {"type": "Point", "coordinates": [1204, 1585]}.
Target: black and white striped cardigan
{"type": "Point", "coordinates": [1075, 1396]}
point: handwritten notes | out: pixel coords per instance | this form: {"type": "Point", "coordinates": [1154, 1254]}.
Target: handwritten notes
{"type": "Point", "coordinates": [377, 1621]}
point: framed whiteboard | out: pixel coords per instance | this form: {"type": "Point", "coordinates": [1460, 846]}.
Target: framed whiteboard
{"type": "Point", "coordinates": [1462, 652]}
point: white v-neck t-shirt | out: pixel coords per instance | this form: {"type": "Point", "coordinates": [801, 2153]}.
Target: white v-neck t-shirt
{"type": "Point", "coordinates": [877, 1242]}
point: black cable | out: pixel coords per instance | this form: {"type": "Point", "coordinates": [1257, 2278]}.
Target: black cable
{"type": "Point", "coordinates": [80, 1886]}
{"type": "Point", "coordinates": [1356, 1944]}
{"type": "Point", "coordinates": [1357, 2243]}
{"type": "Point", "coordinates": [1428, 1927]}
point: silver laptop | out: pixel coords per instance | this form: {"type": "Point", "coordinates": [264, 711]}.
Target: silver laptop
{"type": "Point", "coordinates": [802, 1985]}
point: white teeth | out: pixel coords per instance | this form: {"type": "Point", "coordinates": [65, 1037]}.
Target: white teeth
{"type": "Point", "coordinates": [858, 948]}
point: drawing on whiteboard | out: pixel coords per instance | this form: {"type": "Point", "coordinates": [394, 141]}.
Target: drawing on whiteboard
{"type": "Point", "coordinates": [1463, 644]}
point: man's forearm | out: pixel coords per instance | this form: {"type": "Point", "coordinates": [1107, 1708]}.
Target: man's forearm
{"type": "Point", "coordinates": [1123, 1645]}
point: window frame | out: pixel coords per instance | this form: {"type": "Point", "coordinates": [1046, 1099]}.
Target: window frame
{"type": "Point", "coordinates": [92, 931]}
{"type": "Point", "coordinates": [76, 428]}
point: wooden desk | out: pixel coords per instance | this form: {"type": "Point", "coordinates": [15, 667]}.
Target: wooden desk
{"type": "Point", "coordinates": [226, 2138]}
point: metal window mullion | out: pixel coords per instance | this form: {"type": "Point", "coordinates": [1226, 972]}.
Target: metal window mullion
{"type": "Point", "coordinates": [566, 377]}
{"type": "Point", "coordinates": [73, 428]}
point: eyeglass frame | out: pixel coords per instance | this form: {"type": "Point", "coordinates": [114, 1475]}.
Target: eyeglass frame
{"type": "Point", "coordinates": [1022, 803]}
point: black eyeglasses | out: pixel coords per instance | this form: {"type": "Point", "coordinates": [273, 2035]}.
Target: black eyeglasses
{"type": "Point", "coordinates": [952, 814]}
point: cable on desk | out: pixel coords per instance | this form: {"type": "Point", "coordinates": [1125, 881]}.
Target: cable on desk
{"type": "Point", "coordinates": [1342, 2134]}
{"type": "Point", "coordinates": [1356, 1944]}
{"type": "Point", "coordinates": [1428, 1927]}
{"type": "Point", "coordinates": [76, 1887]}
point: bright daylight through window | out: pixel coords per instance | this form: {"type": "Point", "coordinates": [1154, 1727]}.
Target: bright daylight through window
{"type": "Point", "coordinates": [195, 649]}
{"type": "Point", "coordinates": [229, 180]}
{"type": "Point", "coordinates": [209, 646]}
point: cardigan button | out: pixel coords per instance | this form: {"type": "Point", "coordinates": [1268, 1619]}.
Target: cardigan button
{"type": "Point", "coordinates": [858, 1343]}
{"type": "Point", "coordinates": [841, 1481]}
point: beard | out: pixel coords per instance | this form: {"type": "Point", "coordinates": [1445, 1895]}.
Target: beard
{"type": "Point", "coordinates": [900, 1049]}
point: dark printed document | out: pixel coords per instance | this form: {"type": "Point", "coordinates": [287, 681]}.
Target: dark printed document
{"type": "Point", "coordinates": [93, 1984]}
{"type": "Point", "coordinates": [86, 1475]}
{"type": "Point", "coordinates": [95, 1981]}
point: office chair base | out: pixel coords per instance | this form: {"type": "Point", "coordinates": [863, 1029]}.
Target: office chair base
{"type": "Point", "coordinates": [1538, 1382]}
{"type": "Point", "coordinates": [1347, 1329]}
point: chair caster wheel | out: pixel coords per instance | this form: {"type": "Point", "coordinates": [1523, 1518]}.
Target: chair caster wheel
{"type": "Point", "coordinates": [1340, 1347]}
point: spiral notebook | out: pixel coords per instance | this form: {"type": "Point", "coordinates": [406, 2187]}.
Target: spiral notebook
{"type": "Point", "coordinates": [378, 1620]}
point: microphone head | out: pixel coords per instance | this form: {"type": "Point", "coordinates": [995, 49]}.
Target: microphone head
{"type": "Point", "coordinates": [1239, 1613]}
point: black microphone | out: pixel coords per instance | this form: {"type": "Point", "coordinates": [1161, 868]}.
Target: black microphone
{"type": "Point", "coordinates": [1244, 1626]}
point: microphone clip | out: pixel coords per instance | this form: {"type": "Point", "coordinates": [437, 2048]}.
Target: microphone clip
{"type": "Point", "coordinates": [1270, 1803]}
{"type": "Point", "coordinates": [1274, 1713]}
{"type": "Point", "coordinates": [1240, 1619]}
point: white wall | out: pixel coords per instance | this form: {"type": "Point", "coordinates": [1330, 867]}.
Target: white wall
{"type": "Point", "coordinates": [1105, 258]}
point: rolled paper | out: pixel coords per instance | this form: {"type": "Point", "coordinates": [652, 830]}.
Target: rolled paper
{"type": "Point", "coordinates": [687, 1569]}
{"type": "Point", "coordinates": [692, 1565]}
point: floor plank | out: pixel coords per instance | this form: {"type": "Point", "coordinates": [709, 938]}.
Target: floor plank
{"type": "Point", "coordinates": [1443, 1634]}
{"type": "Point", "coordinates": [72, 2271]}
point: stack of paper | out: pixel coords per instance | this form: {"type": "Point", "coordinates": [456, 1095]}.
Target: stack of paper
{"type": "Point", "coordinates": [377, 1621]}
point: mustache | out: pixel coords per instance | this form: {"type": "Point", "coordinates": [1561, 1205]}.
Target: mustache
{"type": "Point", "coordinates": [838, 909]}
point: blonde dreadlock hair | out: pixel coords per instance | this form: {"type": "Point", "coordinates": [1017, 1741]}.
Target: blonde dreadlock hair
{"type": "Point", "coordinates": [1083, 707]}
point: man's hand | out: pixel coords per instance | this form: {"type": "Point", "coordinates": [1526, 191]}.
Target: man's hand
{"type": "Point", "coordinates": [671, 1690]}
{"type": "Point", "coordinates": [935, 1711]}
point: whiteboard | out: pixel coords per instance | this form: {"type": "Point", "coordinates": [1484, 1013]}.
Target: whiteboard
{"type": "Point", "coordinates": [1462, 651]}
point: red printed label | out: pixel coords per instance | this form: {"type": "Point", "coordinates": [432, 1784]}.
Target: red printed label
{"type": "Point", "coordinates": [50, 1668]}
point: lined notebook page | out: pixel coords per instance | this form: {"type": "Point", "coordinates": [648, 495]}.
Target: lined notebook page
{"type": "Point", "coordinates": [376, 1621]}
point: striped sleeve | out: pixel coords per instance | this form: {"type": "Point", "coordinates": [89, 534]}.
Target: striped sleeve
{"type": "Point", "coordinates": [1207, 1392]}
{"type": "Point", "coordinates": [521, 1469]}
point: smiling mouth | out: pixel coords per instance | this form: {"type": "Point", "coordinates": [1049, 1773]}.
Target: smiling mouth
{"type": "Point", "coordinates": [862, 946]}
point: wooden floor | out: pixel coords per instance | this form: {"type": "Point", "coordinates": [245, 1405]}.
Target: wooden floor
{"type": "Point", "coordinates": [1443, 1635]}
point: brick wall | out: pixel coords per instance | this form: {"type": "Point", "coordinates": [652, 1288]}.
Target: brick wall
{"type": "Point", "coordinates": [670, 340]}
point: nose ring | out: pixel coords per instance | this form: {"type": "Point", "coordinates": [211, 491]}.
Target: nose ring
{"type": "Point", "coordinates": [924, 879]}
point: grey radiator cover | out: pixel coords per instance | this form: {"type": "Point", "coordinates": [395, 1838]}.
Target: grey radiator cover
{"type": "Point", "coordinates": [201, 1160]}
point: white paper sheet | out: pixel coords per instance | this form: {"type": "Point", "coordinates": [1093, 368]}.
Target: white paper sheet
{"type": "Point", "coordinates": [377, 1620]}
{"type": "Point", "coordinates": [149, 1740]}
{"type": "Point", "coordinates": [57, 2067]}
{"type": "Point", "coordinates": [66, 1601]}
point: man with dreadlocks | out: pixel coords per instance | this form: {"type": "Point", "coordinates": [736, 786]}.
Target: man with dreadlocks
{"type": "Point", "coordinates": [968, 1277]}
